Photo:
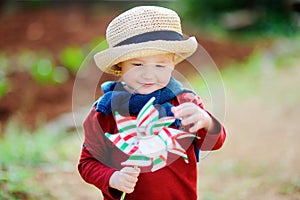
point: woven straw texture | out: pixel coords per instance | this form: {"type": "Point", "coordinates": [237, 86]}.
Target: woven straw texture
{"type": "Point", "coordinates": [141, 20]}
{"type": "Point", "coordinates": [136, 21]}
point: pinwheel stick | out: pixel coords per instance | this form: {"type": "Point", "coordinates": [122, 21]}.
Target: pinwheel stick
{"type": "Point", "coordinates": [123, 196]}
{"type": "Point", "coordinates": [124, 193]}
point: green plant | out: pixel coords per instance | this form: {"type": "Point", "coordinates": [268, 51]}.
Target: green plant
{"type": "Point", "coordinates": [290, 187]}
{"type": "Point", "coordinates": [13, 182]}
{"type": "Point", "coordinates": [25, 60]}
{"type": "Point", "coordinates": [5, 64]}
{"type": "Point", "coordinates": [262, 18]}
{"type": "Point", "coordinates": [22, 152]}
{"type": "Point", "coordinates": [21, 147]}
{"type": "Point", "coordinates": [42, 66]}
{"type": "Point", "coordinates": [98, 44]}
{"type": "Point", "coordinates": [72, 57]}
{"type": "Point", "coordinates": [60, 75]}
{"type": "Point", "coordinates": [44, 71]}
{"type": "Point", "coordinates": [5, 87]}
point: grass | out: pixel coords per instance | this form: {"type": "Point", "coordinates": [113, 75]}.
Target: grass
{"type": "Point", "coordinates": [23, 153]}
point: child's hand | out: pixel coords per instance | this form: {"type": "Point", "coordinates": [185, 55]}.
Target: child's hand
{"type": "Point", "coordinates": [125, 179]}
{"type": "Point", "coordinates": [193, 115]}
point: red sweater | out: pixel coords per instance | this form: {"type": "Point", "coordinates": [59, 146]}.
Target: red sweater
{"type": "Point", "coordinates": [178, 180]}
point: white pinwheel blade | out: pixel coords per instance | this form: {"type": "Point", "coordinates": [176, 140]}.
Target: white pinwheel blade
{"type": "Point", "coordinates": [181, 135]}
{"type": "Point", "coordinates": [177, 149]}
{"type": "Point", "coordinates": [159, 161]}
{"type": "Point", "coordinates": [126, 144]}
{"type": "Point", "coordinates": [156, 126]}
{"type": "Point", "coordinates": [147, 114]}
{"type": "Point", "coordinates": [167, 134]}
{"type": "Point", "coordinates": [137, 160]}
{"type": "Point", "coordinates": [126, 125]}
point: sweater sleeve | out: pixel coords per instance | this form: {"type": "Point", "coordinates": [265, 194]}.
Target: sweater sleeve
{"type": "Point", "coordinates": [92, 165]}
{"type": "Point", "coordinates": [207, 141]}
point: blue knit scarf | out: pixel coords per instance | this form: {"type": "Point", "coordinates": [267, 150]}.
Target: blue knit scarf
{"type": "Point", "coordinates": [117, 98]}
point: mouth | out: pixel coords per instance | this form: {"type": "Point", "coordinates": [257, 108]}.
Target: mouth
{"type": "Point", "coordinates": [147, 84]}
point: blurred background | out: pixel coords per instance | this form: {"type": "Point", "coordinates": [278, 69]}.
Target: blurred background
{"type": "Point", "coordinates": [255, 45]}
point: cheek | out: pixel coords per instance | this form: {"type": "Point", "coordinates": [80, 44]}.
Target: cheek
{"type": "Point", "coordinates": [130, 78]}
{"type": "Point", "coordinates": [129, 74]}
{"type": "Point", "coordinates": [164, 77]}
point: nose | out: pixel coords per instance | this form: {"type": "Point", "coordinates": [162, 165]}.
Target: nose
{"type": "Point", "coordinates": [147, 72]}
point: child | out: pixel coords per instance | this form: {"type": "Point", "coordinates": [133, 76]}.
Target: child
{"type": "Point", "coordinates": [145, 44]}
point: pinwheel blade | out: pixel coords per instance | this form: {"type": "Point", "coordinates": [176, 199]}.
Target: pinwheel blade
{"type": "Point", "coordinates": [166, 134]}
{"type": "Point", "coordinates": [159, 161]}
{"type": "Point", "coordinates": [156, 126]}
{"type": "Point", "coordinates": [126, 144]}
{"type": "Point", "coordinates": [137, 160]}
{"type": "Point", "coordinates": [147, 114]}
{"type": "Point", "coordinates": [177, 149]}
{"type": "Point", "coordinates": [126, 125]}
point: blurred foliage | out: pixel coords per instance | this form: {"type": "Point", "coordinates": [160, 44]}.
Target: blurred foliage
{"type": "Point", "coordinates": [40, 65]}
{"type": "Point", "coordinates": [72, 57]}
{"type": "Point", "coordinates": [263, 18]}
{"type": "Point", "coordinates": [45, 67]}
{"type": "Point", "coordinates": [22, 154]}
{"type": "Point", "coordinates": [26, 148]}
{"type": "Point", "coordinates": [43, 70]}
{"type": "Point", "coordinates": [98, 44]}
{"type": "Point", "coordinates": [5, 87]}
{"type": "Point", "coordinates": [273, 69]}
{"type": "Point", "coordinates": [259, 74]}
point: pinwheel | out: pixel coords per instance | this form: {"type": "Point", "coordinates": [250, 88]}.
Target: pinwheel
{"type": "Point", "coordinates": [147, 139]}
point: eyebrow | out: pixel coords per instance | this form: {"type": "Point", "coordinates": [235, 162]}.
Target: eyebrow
{"type": "Point", "coordinates": [136, 60]}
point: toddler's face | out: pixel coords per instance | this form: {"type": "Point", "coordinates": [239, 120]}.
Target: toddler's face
{"type": "Point", "coordinates": [147, 74]}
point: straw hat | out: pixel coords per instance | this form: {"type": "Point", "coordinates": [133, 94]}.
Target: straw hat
{"type": "Point", "coordinates": [144, 31]}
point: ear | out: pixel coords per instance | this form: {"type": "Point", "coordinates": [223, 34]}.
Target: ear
{"type": "Point", "coordinates": [116, 68]}
{"type": "Point", "coordinates": [173, 57]}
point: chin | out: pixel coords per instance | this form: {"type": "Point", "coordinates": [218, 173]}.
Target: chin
{"type": "Point", "coordinates": [145, 91]}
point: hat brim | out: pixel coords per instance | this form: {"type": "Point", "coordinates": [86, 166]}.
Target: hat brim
{"type": "Point", "coordinates": [112, 56]}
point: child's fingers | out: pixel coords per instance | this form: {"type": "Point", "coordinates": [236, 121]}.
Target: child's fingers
{"type": "Point", "coordinates": [195, 123]}
{"type": "Point", "coordinates": [128, 179]}
{"type": "Point", "coordinates": [192, 119]}
{"type": "Point", "coordinates": [128, 190]}
{"type": "Point", "coordinates": [127, 183]}
{"type": "Point", "coordinates": [196, 126]}
{"type": "Point", "coordinates": [175, 111]}
{"type": "Point", "coordinates": [184, 110]}
{"type": "Point", "coordinates": [130, 174]}
{"type": "Point", "coordinates": [191, 114]}
{"type": "Point", "coordinates": [131, 170]}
